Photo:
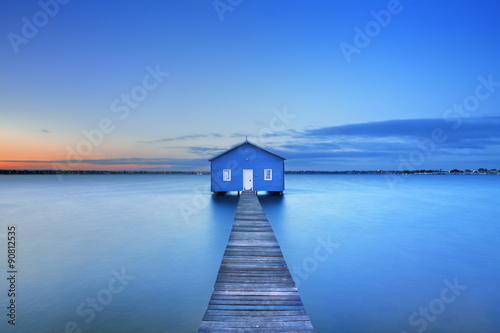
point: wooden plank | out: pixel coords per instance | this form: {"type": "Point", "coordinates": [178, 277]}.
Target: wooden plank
{"type": "Point", "coordinates": [256, 302]}
{"type": "Point", "coordinates": [237, 320]}
{"type": "Point", "coordinates": [254, 290]}
{"type": "Point", "coordinates": [256, 315]}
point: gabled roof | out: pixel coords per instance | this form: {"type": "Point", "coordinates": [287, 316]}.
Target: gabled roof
{"type": "Point", "coordinates": [241, 144]}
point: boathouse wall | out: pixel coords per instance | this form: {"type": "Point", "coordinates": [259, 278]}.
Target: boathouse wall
{"type": "Point", "coordinates": [247, 167]}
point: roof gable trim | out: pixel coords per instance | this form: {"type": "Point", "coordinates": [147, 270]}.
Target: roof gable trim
{"type": "Point", "coordinates": [241, 144]}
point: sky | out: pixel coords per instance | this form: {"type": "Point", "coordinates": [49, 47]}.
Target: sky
{"type": "Point", "coordinates": [330, 85]}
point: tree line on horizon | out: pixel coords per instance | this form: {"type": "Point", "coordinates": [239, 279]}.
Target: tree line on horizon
{"type": "Point", "coordinates": [430, 171]}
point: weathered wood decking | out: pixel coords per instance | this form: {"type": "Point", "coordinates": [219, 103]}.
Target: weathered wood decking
{"type": "Point", "coordinates": [254, 290]}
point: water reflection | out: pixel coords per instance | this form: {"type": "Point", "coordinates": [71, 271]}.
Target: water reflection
{"type": "Point", "coordinates": [396, 248]}
{"type": "Point", "coordinates": [226, 204]}
{"type": "Point", "coordinates": [273, 206]}
{"type": "Point", "coordinates": [223, 207]}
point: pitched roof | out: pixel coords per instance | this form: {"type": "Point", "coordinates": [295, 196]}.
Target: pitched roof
{"type": "Point", "coordinates": [241, 144]}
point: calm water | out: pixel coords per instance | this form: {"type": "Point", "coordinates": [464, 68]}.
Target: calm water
{"type": "Point", "coordinates": [140, 253]}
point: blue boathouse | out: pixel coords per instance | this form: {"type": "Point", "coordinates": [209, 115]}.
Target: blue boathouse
{"type": "Point", "coordinates": [247, 166]}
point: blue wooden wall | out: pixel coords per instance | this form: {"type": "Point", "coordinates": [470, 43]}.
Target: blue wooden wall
{"type": "Point", "coordinates": [247, 156]}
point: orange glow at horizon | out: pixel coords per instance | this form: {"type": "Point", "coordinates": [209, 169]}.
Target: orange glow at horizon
{"type": "Point", "coordinates": [76, 166]}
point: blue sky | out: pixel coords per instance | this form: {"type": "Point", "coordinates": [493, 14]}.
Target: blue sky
{"type": "Point", "coordinates": [164, 85]}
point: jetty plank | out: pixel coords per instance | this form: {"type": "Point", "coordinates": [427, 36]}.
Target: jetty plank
{"type": "Point", "coordinates": [254, 290]}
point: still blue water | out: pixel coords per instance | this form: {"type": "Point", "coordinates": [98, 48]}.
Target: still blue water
{"type": "Point", "coordinates": [140, 253]}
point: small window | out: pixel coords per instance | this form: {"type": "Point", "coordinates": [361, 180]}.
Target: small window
{"type": "Point", "coordinates": [226, 176]}
{"type": "Point", "coordinates": [268, 174]}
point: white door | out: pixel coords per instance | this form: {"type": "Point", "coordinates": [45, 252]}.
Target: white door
{"type": "Point", "coordinates": [247, 180]}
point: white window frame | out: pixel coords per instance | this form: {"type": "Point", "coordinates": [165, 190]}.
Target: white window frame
{"type": "Point", "coordinates": [228, 171]}
{"type": "Point", "coordinates": [270, 174]}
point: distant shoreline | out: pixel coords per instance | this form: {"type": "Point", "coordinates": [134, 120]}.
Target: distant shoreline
{"type": "Point", "coordinates": [352, 172]}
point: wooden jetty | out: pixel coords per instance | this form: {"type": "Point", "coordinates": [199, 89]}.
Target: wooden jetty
{"type": "Point", "coordinates": [254, 291]}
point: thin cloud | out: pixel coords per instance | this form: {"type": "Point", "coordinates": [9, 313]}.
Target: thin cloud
{"type": "Point", "coordinates": [367, 146]}
{"type": "Point", "coordinates": [204, 150]}
{"type": "Point", "coordinates": [478, 132]}
{"type": "Point", "coordinates": [388, 128]}
{"type": "Point", "coordinates": [370, 145]}
{"type": "Point", "coordinates": [195, 136]}
{"type": "Point", "coordinates": [184, 137]}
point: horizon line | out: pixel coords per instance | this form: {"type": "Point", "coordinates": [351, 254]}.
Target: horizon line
{"type": "Point", "coordinates": [48, 171]}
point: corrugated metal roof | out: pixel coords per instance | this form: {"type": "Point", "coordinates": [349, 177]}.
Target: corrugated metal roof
{"type": "Point", "coordinates": [241, 144]}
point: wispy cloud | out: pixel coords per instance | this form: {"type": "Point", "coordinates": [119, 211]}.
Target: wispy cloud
{"type": "Point", "coordinates": [205, 151]}
{"type": "Point", "coordinates": [378, 144]}
{"type": "Point", "coordinates": [478, 132]}
{"type": "Point", "coordinates": [184, 137]}
{"type": "Point", "coordinates": [389, 128]}
{"type": "Point", "coordinates": [195, 136]}
{"type": "Point", "coordinates": [44, 130]}
{"type": "Point", "coordinates": [366, 146]}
